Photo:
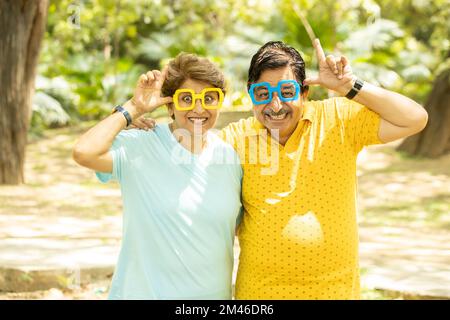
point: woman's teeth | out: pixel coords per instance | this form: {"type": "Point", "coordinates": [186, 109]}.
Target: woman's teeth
{"type": "Point", "coordinates": [197, 120]}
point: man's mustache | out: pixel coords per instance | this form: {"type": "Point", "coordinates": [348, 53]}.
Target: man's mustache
{"type": "Point", "coordinates": [270, 112]}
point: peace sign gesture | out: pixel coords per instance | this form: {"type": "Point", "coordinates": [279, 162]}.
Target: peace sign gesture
{"type": "Point", "coordinates": [334, 73]}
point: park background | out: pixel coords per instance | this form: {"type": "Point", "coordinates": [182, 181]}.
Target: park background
{"type": "Point", "coordinates": [65, 64]}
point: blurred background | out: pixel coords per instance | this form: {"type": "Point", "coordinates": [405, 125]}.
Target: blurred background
{"type": "Point", "coordinates": [65, 64]}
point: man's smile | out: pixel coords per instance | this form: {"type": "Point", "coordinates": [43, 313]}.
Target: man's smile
{"type": "Point", "coordinates": [270, 115]}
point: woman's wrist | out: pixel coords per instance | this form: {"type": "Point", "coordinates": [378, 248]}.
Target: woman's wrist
{"type": "Point", "coordinates": [133, 110]}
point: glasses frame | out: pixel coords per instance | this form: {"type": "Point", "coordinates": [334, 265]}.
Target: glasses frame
{"type": "Point", "coordinates": [274, 89]}
{"type": "Point", "coordinates": [196, 96]}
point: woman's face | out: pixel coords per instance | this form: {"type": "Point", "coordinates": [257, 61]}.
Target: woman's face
{"type": "Point", "coordinates": [198, 120]}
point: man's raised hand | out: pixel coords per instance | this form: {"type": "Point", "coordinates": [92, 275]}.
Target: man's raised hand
{"type": "Point", "coordinates": [334, 73]}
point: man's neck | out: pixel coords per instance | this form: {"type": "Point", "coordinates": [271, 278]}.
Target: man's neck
{"type": "Point", "coordinates": [282, 138]}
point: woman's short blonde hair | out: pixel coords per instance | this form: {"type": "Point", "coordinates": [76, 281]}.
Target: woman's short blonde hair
{"type": "Point", "coordinates": [190, 66]}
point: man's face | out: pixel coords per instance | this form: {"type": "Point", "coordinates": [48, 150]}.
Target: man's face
{"type": "Point", "coordinates": [276, 114]}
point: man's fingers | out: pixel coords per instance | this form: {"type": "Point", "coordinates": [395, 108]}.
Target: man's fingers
{"type": "Point", "coordinates": [331, 61]}
{"type": "Point", "coordinates": [311, 81]}
{"type": "Point", "coordinates": [139, 123]}
{"type": "Point", "coordinates": [340, 68]}
{"type": "Point", "coordinates": [347, 69]}
{"type": "Point", "coordinates": [151, 123]}
{"type": "Point", "coordinates": [319, 51]}
{"type": "Point", "coordinates": [344, 61]}
{"type": "Point", "coordinates": [131, 126]}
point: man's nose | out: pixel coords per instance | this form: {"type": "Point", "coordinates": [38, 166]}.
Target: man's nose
{"type": "Point", "coordinates": [275, 104]}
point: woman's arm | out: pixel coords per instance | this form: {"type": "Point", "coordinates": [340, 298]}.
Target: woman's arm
{"type": "Point", "coordinates": [92, 149]}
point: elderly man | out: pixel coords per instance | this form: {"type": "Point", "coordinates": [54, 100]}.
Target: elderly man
{"type": "Point", "coordinates": [299, 234]}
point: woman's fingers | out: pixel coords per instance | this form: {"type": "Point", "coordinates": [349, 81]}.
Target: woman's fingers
{"type": "Point", "coordinates": [331, 61]}
{"type": "Point", "coordinates": [164, 72]}
{"type": "Point", "coordinates": [143, 80]}
{"type": "Point", "coordinates": [157, 74]}
{"type": "Point", "coordinates": [150, 76]}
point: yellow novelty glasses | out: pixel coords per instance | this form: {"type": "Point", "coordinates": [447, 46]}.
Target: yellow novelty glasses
{"type": "Point", "coordinates": [211, 98]}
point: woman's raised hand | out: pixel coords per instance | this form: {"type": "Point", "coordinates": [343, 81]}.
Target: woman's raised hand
{"type": "Point", "coordinates": [147, 94]}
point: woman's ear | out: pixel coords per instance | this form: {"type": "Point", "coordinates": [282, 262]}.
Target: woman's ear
{"type": "Point", "coordinates": [170, 107]}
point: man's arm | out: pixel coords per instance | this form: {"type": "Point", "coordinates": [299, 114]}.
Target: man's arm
{"type": "Point", "coordinates": [400, 115]}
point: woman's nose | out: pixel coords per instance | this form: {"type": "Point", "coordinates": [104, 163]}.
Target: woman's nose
{"type": "Point", "coordinates": [198, 106]}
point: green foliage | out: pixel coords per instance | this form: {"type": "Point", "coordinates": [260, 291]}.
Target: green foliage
{"type": "Point", "coordinates": [94, 50]}
{"type": "Point", "coordinates": [48, 111]}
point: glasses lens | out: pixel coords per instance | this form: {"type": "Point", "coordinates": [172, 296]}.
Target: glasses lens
{"type": "Point", "coordinates": [288, 90]}
{"type": "Point", "coordinates": [185, 100]}
{"type": "Point", "coordinates": [212, 98]}
{"type": "Point", "coordinates": [261, 93]}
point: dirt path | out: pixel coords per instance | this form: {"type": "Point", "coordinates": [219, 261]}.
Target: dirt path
{"type": "Point", "coordinates": [404, 207]}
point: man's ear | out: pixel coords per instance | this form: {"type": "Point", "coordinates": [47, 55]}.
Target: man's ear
{"type": "Point", "coordinates": [305, 93]}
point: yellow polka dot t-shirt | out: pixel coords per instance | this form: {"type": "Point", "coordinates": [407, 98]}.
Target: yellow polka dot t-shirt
{"type": "Point", "coordinates": [299, 236]}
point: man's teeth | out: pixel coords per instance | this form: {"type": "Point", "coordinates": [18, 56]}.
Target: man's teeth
{"type": "Point", "coordinates": [278, 116]}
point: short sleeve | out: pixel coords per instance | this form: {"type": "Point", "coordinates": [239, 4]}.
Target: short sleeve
{"type": "Point", "coordinates": [236, 132]}
{"type": "Point", "coordinates": [121, 144]}
{"type": "Point", "coordinates": [229, 133]}
{"type": "Point", "coordinates": [361, 123]}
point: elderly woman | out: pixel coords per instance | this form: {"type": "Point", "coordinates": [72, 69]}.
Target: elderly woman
{"type": "Point", "coordinates": [180, 185]}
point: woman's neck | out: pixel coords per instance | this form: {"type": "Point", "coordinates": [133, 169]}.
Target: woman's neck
{"type": "Point", "coordinates": [193, 143]}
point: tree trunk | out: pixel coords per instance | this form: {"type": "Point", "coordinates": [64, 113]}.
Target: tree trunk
{"type": "Point", "coordinates": [22, 26]}
{"type": "Point", "coordinates": [434, 140]}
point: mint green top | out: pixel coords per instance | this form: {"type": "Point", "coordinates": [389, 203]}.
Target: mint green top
{"type": "Point", "coordinates": [179, 216]}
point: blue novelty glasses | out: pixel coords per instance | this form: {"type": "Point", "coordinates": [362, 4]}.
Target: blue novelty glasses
{"type": "Point", "coordinates": [287, 90]}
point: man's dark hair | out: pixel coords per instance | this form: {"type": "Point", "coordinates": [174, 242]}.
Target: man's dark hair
{"type": "Point", "coordinates": [274, 55]}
